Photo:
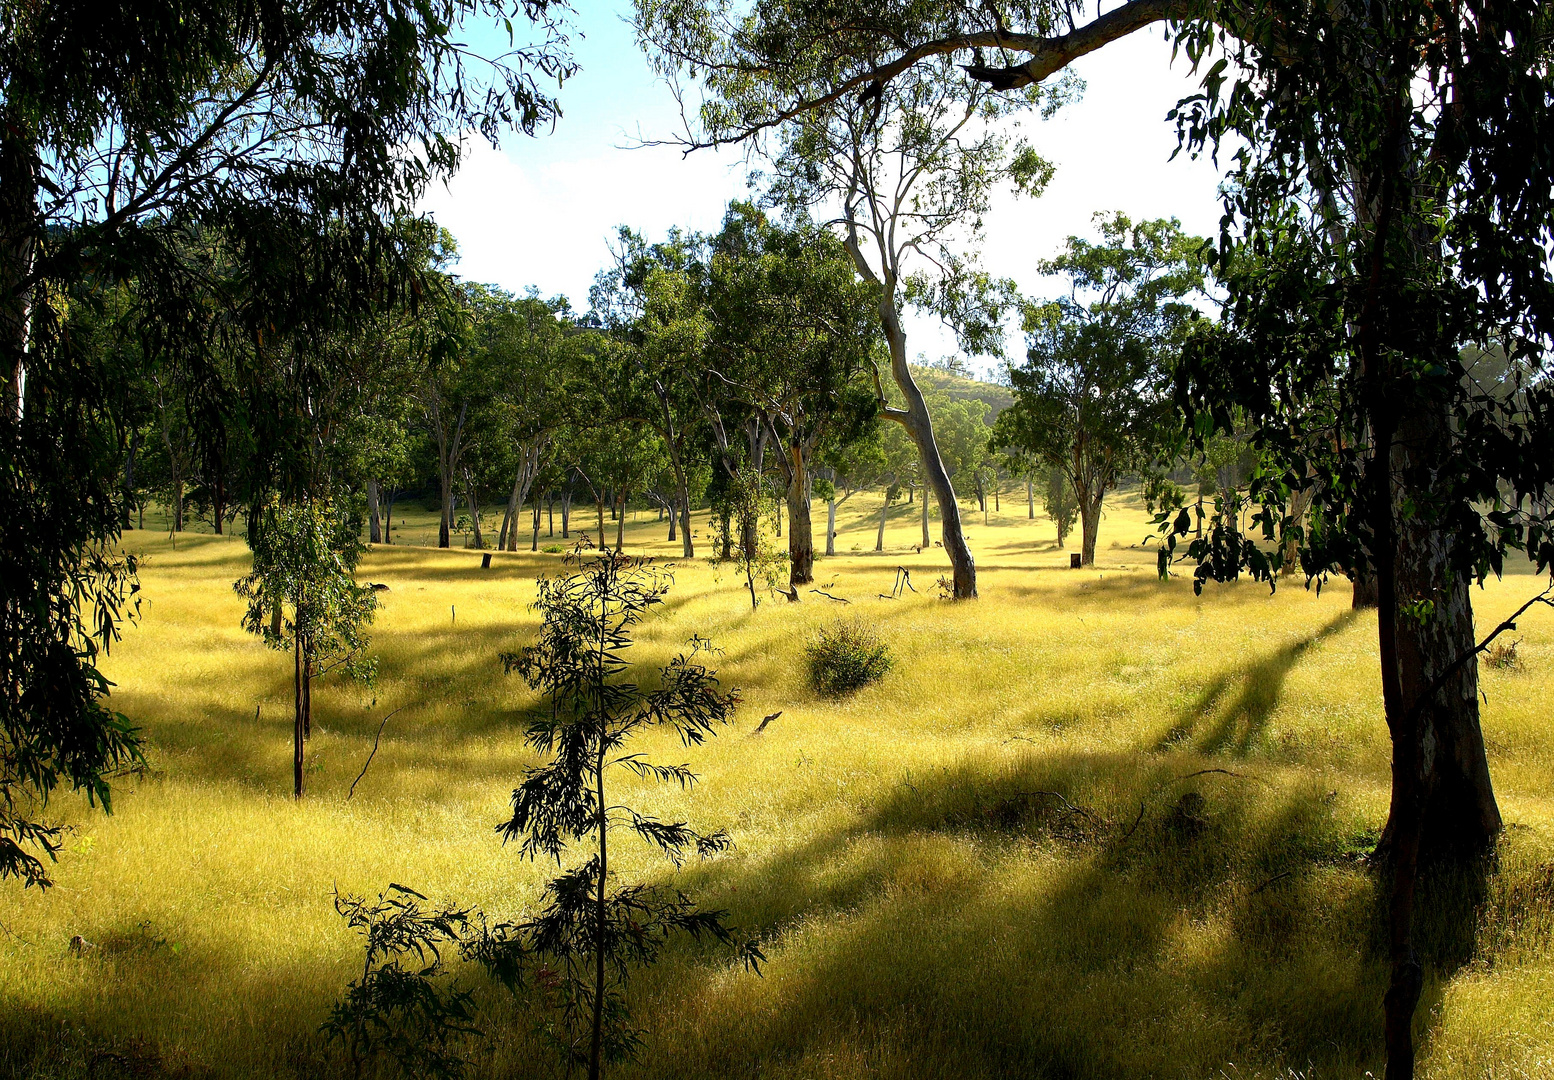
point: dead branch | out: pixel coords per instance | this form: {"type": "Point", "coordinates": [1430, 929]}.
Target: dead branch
{"type": "Point", "coordinates": [767, 720]}
{"type": "Point", "coordinates": [372, 755]}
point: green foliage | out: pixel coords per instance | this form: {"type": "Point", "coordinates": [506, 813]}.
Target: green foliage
{"type": "Point", "coordinates": [404, 1006]}
{"type": "Point", "coordinates": [845, 657]}
{"type": "Point", "coordinates": [304, 568]}
{"type": "Point", "coordinates": [1059, 502]}
{"type": "Point", "coordinates": [749, 499]}
{"type": "Point", "coordinates": [594, 934]}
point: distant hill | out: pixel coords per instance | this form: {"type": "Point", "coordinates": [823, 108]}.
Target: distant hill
{"type": "Point", "coordinates": [936, 382]}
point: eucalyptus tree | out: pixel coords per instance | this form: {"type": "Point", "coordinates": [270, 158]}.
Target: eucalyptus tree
{"type": "Point", "coordinates": [907, 168]}
{"type": "Point", "coordinates": [794, 333]}
{"type": "Point", "coordinates": [653, 304]}
{"type": "Point", "coordinates": [1093, 397]}
{"type": "Point", "coordinates": [290, 129]}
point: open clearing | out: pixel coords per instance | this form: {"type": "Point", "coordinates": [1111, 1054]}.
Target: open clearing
{"type": "Point", "coordinates": [927, 912]}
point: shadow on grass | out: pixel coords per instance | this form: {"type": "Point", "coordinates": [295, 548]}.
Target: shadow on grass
{"type": "Point", "coordinates": [1231, 713]}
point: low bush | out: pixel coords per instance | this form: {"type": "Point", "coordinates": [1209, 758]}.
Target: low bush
{"type": "Point", "coordinates": [845, 657]}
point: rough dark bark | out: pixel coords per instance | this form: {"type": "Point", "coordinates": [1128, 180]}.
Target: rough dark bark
{"type": "Point", "coordinates": [1090, 524]}
{"type": "Point", "coordinates": [374, 522]}
{"type": "Point", "coordinates": [18, 230]}
{"type": "Point", "coordinates": [801, 540]}
{"type": "Point", "coordinates": [296, 741]}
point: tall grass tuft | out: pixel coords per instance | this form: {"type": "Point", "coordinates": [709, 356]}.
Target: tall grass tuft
{"type": "Point", "coordinates": [845, 657]}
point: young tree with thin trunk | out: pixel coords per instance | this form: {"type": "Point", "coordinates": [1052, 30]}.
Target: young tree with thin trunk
{"type": "Point", "coordinates": [303, 597]}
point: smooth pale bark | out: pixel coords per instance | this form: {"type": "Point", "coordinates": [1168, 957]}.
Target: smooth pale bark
{"type": "Point", "coordinates": [474, 513]}
{"type": "Point", "coordinates": [879, 540]}
{"type": "Point", "coordinates": [1030, 499]}
{"type": "Point", "coordinates": [673, 520]}
{"type": "Point", "coordinates": [534, 539]}
{"type": "Point", "coordinates": [620, 521]}
{"type": "Point", "coordinates": [566, 515]}
{"type": "Point", "coordinates": [919, 428]}
{"type": "Point", "coordinates": [831, 526]}
{"type": "Point", "coordinates": [374, 522]}
{"type": "Point", "coordinates": [550, 513]}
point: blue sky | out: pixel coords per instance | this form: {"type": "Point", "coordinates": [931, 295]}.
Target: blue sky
{"type": "Point", "coordinates": [540, 211]}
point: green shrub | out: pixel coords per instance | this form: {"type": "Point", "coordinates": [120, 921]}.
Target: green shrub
{"type": "Point", "coordinates": [846, 656]}
{"type": "Point", "coordinates": [552, 549]}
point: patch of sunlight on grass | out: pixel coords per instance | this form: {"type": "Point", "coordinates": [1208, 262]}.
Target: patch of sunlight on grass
{"type": "Point", "coordinates": [1090, 825]}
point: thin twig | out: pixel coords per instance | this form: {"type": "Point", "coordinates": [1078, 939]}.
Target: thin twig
{"type": "Point", "coordinates": [1225, 772]}
{"type": "Point", "coordinates": [1269, 882]}
{"type": "Point", "coordinates": [372, 755]}
{"type": "Point", "coordinates": [828, 596]}
{"type": "Point", "coordinates": [1136, 822]}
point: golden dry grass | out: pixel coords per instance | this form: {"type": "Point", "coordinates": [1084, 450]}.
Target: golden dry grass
{"type": "Point", "coordinates": [925, 914]}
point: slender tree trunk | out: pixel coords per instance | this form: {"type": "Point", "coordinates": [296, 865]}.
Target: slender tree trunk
{"type": "Point", "coordinates": [296, 740]}
{"type": "Point", "coordinates": [1030, 499]}
{"type": "Point", "coordinates": [550, 512]}
{"type": "Point", "coordinates": [599, 507]}
{"type": "Point", "coordinates": [801, 540]}
{"type": "Point", "coordinates": [601, 923]}
{"type": "Point", "coordinates": [919, 427]}
{"type": "Point", "coordinates": [566, 515]}
{"type": "Point", "coordinates": [129, 476]}
{"type": "Point", "coordinates": [218, 501]}
{"type": "Point", "coordinates": [177, 502]}
{"type": "Point", "coordinates": [778, 511]}
{"type": "Point", "coordinates": [534, 541]}
{"type": "Point", "coordinates": [374, 522]}
{"type": "Point", "coordinates": [504, 540]}
{"type": "Point", "coordinates": [879, 539]}
{"type": "Point", "coordinates": [997, 505]}
{"type": "Point", "coordinates": [620, 520]}
{"type": "Point", "coordinates": [831, 526]}
{"type": "Point", "coordinates": [18, 230]}
{"type": "Point", "coordinates": [388, 519]}
{"type": "Point", "coordinates": [474, 514]}
{"type": "Point", "coordinates": [445, 526]}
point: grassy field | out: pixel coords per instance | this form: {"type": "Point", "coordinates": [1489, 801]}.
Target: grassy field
{"type": "Point", "coordinates": [925, 914]}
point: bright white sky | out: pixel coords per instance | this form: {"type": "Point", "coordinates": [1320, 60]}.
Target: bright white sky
{"type": "Point", "coordinates": [541, 211]}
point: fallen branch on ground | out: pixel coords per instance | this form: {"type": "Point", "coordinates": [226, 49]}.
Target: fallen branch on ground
{"type": "Point", "coordinates": [372, 755]}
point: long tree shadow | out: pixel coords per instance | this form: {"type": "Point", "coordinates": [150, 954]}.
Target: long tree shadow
{"type": "Point", "coordinates": [1019, 920]}
{"type": "Point", "coordinates": [1240, 700]}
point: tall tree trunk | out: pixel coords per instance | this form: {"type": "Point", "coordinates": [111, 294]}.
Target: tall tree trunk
{"type": "Point", "coordinates": [504, 540]}
{"type": "Point", "coordinates": [831, 526]}
{"type": "Point", "coordinates": [388, 518]}
{"type": "Point", "coordinates": [129, 475]}
{"type": "Point", "coordinates": [1030, 499]}
{"type": "Point", "coordinates": [778, 511]}
{"type": "Point", "coordinates": [566, 515]}
{"type": "Point", "coordinates": [534, 540]}
{"type": "Point", "coordinates": [296, 733]}
{"type": "Point", "coordinates": [445, 526]}
{"type": "Point", "coordinates": [997, 504]}
{"type": "Point", "coordinates": [919, 427]}
{"type": "Point", "coordinates": [550, 512]}
{"type": "Point", "coordinates": [1459, 815]}
{"type": "Point", "coordinates": [474, 513]}
{"type": "Point", "coordinates": [18, 231]}
{"type": "Point", "coordinates": [599, 507]}
{"type": "Point", "coordinates": [1090, 523]}
{"type": "Point", "coordinates": [620, 520]}
{"type": "Point", "coordinates": [218, 502]}
{"type": "Point", "coordinates": [879, 538]}
{"type": "Point", "coordinates": [374, 522]}
{"type": "Point", "coordinates": [674, 520]}
{"type": "Point", "coordinates": [177, 502]}
{"type": "Point", "coordinates": [801, 540]}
